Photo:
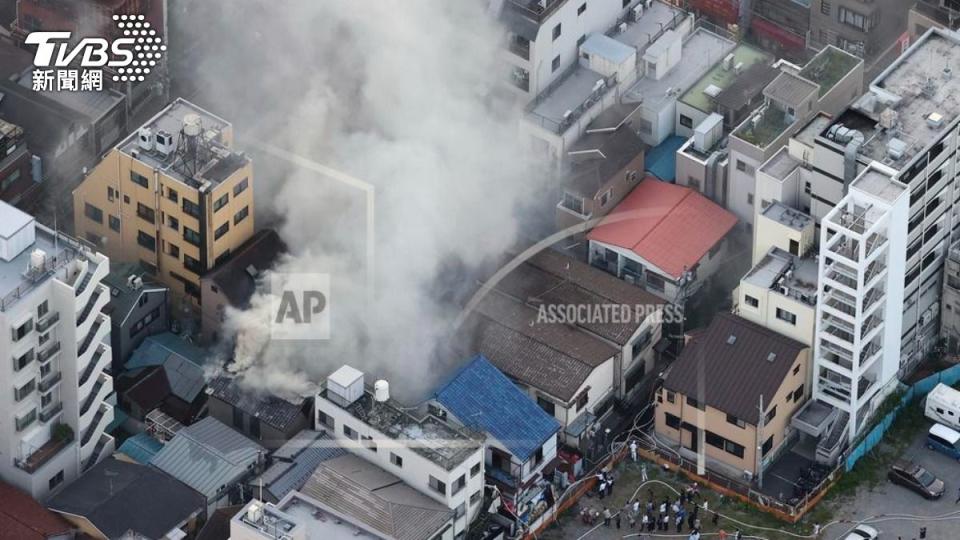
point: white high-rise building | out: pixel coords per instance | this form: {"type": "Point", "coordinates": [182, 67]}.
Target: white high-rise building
{"type": "Point", "coordinates": [863, 242]}
{"type": "Point", "coordinates": [55, 341]}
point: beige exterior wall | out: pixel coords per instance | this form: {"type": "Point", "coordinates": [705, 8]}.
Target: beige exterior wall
{"type": "Point", "coordinates": [171, 248]}
{"type": "Point", "coordinates": [771, 233]}
{"type": "Point", "coordinates": [619, 185]}
{"type": "Point", "coordinates": [714, 420]}
{"type": "Point", "coordinates": [765, 314]}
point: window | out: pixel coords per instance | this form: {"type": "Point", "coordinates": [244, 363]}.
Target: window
{"type": "Point", "coordinates": [221, 230]}
{"type": "Point", "coordinates": [369, 444]}
{"type": "Point", "coordinates": [43, 309]}
{"type": "Point", "coordinates": [767, 446]}
{"type": "Point", "coordinates": [221, 202]}
{"type": "Point", "coordinates": [325, 420]}
{"type": "Point", "coordinates": [349, 433]}
{"type": "Point", "coordinates": [93, 213]}
{"type": "Point", "coordinates": [786, 316]}
{"type": "Point", "coordinates": [671, 397]}
{"type": "Point", "coordinates": [114, 223]}
{"type": "Point", "coordinates": [582, 400]}
{"type": "Point", "coordinates": [572, 202]}
{"type": "Point", "coordinates": [191, 264]}
{"type": "Point", "coordinates": [111, 194]}
{"type": "Point", "coordinates": [825, 7]}
{"type": "Point", "coordinates": [854, 19]}
{"type": "Point", "coordinates": [546, 405]}
{"type": "Point", "coordinates": [798, 394]}
{"type": "Point", "coordinates": [173, 250]}
{"type": "Point", "coordinates": [731, 419]}
{"type": "Point", "coordinates": [741, 166]}
{"type": "Point", "coordinates": [771, 414]}
{"type": "Point", "coordinates": [555, 65]}
{"type": "Point", "coordinates": [146, 213]}
{"type": "Point", "coordinates": [459, 484]}
{"type": "Point", "coordinates": [191, 236]}
{"type": "Point", "coordinates": [475, 497]}
{"type": "Point", "coordinates": [686, 121]}
{"type": "Point", "coordinates": [191, 208]}
{"type": "Point", "coordinates": [22, 330]}
{"type": "Point", "coordinates": [750, 198]}
{"type": "Point", "coordinates": [796, 369]}
{"type": "Point", "coordinates": [751, 301]}
{"type": "Point", "coordinates": [173, 223]}
{"type": "Point", "coordinates": [694, 403]}
{"type": "Point", "coordinates": [605, 197]}
{"type": "Point", "coordinates": [557, 30]}
{"type": "Point", "coordinates": [173, 195]}
{"type": "Point", "coordinates": [139, 180]}
{"type": "Point", "coordinates": [582, 8]}
{"type": "Point", "coordinates": [396, 460]}
{"type": "Point", "coordinates": [733, 448]}
{"type": "Point", "coordinates": [241, 215]}
{"type": "Point", "coordinates": [475, 470]}
{"type": "Point", "coordinates": [460, 511]}
{"type": "Point", "coordinates": [126, 199]}
{"type": "Point", "coordinates": [25, 390]}
{"type": "Point", "coordinates": [241, 187]}
{"type": "Point", "coordinates": [56, 480]}
{"type": "Point", "coordinates": [23, 360]}
{"type": "Point", "coordinates": [655, 282]}
{"type": "Point", "coordinates": [672, 421]}
{"type": "Point", "coordinates": [147, 241]}
{"type": "Point", "coordinates": [437, 486]}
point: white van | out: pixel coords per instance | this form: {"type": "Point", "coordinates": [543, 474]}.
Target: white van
{"type": "Point", "coordinates": [943, 405]}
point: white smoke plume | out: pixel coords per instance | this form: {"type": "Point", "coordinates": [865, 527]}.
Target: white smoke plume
{"type": "Point", "coordinates": [401, 94]}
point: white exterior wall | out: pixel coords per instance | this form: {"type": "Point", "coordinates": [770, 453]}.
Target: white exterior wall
{"type": "Point", "coordinates": [60, 294]}
{"type": "Point", "coordinates": [416, 468]}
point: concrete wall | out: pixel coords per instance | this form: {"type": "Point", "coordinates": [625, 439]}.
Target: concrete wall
{"type": "Point", "coordinates": [765, 313]}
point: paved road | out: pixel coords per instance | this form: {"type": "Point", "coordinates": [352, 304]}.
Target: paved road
{"type": "Point", "coordinates": [888, 498]}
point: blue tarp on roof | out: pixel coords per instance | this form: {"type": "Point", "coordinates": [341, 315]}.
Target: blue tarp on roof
{"type": "Point", "coordinates": [140, 448]}
{"type": "Point", "coordinates": [483, 398]}
{"type": "Point", "coordinates": [661, 160]}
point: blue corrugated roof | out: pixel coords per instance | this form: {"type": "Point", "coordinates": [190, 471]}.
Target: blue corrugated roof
{"type": "Point", "coordinates": [140, 448]}
{"type": "Point", "coordinates": [661, 160]}
{"type": "Point", "coordinates": [182, 362]}
{"type": "Point", "coordinates": [483, 398]}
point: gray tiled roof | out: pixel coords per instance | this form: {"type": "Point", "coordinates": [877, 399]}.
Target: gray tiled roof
{"type": "Point", "coordinates": [295, 461]}
{"type": "Point", "coordinates": [208, 455]}
{"type": "Point", "coordinates": [271, 410]}
{"type": "Point", "coordinates": [362, 491]}
{"type": "Point", "coordinates": [732, 377]}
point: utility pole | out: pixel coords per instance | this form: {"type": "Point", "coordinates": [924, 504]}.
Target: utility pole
{"type": "Point", "coordinates": [680, 302]}
{"type": "Point", "coordinates": [760, 424]}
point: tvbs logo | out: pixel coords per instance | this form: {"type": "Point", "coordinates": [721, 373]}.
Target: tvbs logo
{"type": "Point", "coordinates": [65, 66]}
{"type": "Point", "coordinates": [300, 306]}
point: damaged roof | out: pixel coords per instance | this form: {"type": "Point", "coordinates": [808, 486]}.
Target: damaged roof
{"type": "Point", "coordinates": [271, 410]}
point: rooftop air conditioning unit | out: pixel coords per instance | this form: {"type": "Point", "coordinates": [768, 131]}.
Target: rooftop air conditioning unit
{"type": "Point", "coordinates": [935, 120]}
{"type": "Point", "coordinates": [145, 139]}
{"type": "Point", "coordinates": [637, 12]}
{"type": "Point", "coordinates": [728, 62]}
{"type": "Point", "coordinates": [623, 27]}
{"type": "Point", "coordinates": [164, 142]}
{"type": "Point", "coordinates": [345, 386]}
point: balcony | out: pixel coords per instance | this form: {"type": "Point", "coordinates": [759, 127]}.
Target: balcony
{"type": "Point", "coordinates": [91, 302]}
{"type": "Point", "coordinates": [82, 286]}
{"type": "Point", "coordinates": [45, 453]}
{"type": "Point", "coordinates": [91, 365]}
{"type": "Point", "coordinates": [49, 352]}
{"type": "Point", "coordinates": [89, 339]}
{"type": "Point", "coordinates": [47, 322]}
{"type": "Point", "coordinates": [91, 397]}
{"type": "Point", "coordinates": [519, 46]}
{"type": "Point", "coordinates": [50, 412]}
{"type": "Point", "coordinates": [51, 381]}
{"type": "Point", "coordinates": [94, 425]}
{"type": "Point", "coordinates": [97, 450]}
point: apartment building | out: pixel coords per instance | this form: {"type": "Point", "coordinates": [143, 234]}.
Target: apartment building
{"type": "Point", "coordinates": [781, 26]}
{"type": "Point", "coordinates": [863, 244]}
{"type": "Point", "coordinates": [174, 196]}
{"type": "Point", "coordinates": [431, 455]}
{"type": "Point", "coordinates": [927, 14]}
{"type": "Point", "coordinates": [731, 393]}
{"type": "Point", "coordinates": [17, 184]}
{"type": "Point", "coordinates": [874, 31]}
{"type": "Point", "coordinates": [58, 344]}
{"type": "Point", "coordinates": [828, 82]}
{"type": "Point", "coordinates": [950, 304]}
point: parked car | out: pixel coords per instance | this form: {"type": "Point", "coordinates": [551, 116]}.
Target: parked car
{"type": "Point", "coordinates": [914, 477]}
{"type": "Point", "coordinates": [945, 440]}
{"type": "Point", "coordinates": [862, 532]}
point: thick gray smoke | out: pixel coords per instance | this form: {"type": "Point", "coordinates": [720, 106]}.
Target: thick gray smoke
{"type": "Point", "coordinates": [401, 94]}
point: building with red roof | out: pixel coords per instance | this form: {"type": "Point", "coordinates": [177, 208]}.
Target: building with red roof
{"type": "Point", "coordinates": [658, 232]}
{"type": "Point", "coordinates": [23, 518]}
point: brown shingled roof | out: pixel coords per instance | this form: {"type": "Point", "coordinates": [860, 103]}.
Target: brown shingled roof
{"type": "Point", "coordinates": [22, 518]}
{"type": "Point", "coordinates": [734, 375]}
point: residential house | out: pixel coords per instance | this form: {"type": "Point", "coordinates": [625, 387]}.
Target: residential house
{"type": "Point", "coordinates": [433, 456]}
{"type": "Point", "coordinates": [521, 437]}
{"type": "Point", "coordinates": [666, 238]}
{"type": "Point", "coordinates": [602, 167]}
{"type": "Point", "coordinates": [17, 183]}
{"type": "Point", "coordinates": [24, 518]}
{"type": "Point", "coordinates": [292, 464]}
{"type": "Point", "coordinates": [212, 459]}
{"type": "Point", "coordinates": [139, 448]}
{"type": "Point", "coordinates": [116, 498]}
{"type": "Point", "coordinates": [731, 394]}
{"type": "Point", "coordinates": [233, 282]}
{"type": "Point", "coordinates": [267, 419]}
{"type": "Point", "coordinates": [138, 308]}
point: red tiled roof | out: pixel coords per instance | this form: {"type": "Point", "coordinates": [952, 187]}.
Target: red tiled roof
{"type": "Point", "coordinates": [669, 226]}
{"type": "Point", "coordinates": [25, 519]}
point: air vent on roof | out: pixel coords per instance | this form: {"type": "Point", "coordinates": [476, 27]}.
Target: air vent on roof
{"type": "Point", "coordinates": [732, 339]}
{"type": "Point", "coordinates": [771, 357]}
{"type": "Point", "coordinates": [935, 120]}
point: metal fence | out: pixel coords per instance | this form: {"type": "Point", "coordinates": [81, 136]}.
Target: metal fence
{"type": "Point", "coordinates": [918, 390]}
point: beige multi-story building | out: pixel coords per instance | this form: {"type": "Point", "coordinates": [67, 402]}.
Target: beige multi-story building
{"type": "Point", "coordinates": [173, 196]}
{"type": "Point", "coordinates": [731, 394]}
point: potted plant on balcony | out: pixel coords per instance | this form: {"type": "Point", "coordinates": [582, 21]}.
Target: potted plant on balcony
{"type": "Point", "coordinates": [62, 432]}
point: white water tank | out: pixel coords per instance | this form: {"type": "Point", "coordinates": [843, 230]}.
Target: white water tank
{"type": "Point", "coordinates": [192, 125]}
{"type": "Point", "coordinates": [345, 386]}
{"type": "Point", "coordinates": [254, 513]}
{"type": "Point", "coordinates": [381, 391]}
